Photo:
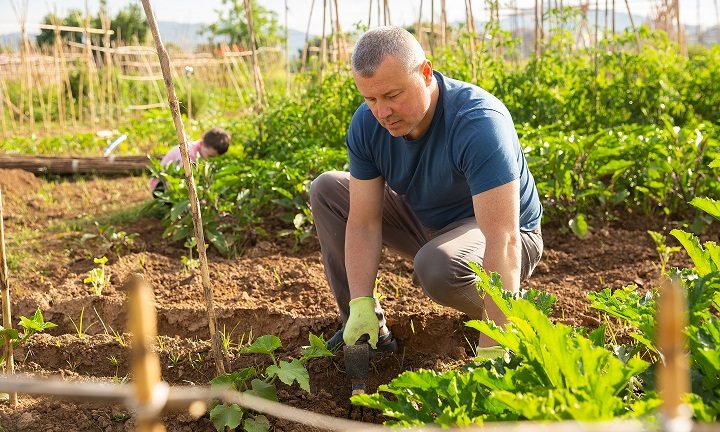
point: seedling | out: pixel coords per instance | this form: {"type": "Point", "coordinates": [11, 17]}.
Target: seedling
{"type": "Point", "coordinates": [664, 251]}
{"type": "Point", "coordinates": [110, 240]}
{"type": "Point", "coordinates": [98, 277]}
{"type": "Point", "coordinates": [226, 338]}
{"type": "Point", "coordinates": [256, 382]}
{"type": "Point", "coordinates": [79, 327]}
{"type": "Point", "coordinates": [174, 359]}
{"type": "Point", "coordinates": [190, 264]}
{"type": "Point", "coordinates": [32, 325]}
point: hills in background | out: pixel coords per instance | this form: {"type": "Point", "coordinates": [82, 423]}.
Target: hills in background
{"type": "Point", "coordinates": [187, 35]}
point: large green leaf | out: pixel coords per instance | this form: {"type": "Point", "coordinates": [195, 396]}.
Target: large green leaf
{"type": "Point", "coordinates": [263, 345]}
{"type": "Point", "coordinates": [291, 372]}
{"type": "Point", "coordinates": [708, 205]}
{"type": "Point", "coordinates": [259, 423]}
{"type": "Point", "coordinates": [264, 390]}
{"type": "Point", "coordinates": [316, 349]}
{"type": "Point", "coordinates": [693, 248]}
{"type": "Point", "coordinates": [224, 415]}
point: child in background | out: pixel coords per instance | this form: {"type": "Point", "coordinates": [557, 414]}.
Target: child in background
{"type": "Point", "coordinates": [215, 142]}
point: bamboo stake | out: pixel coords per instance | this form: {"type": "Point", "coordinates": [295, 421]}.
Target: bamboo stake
{"type": "Point", "coordinates": [90, 67]}
{"type": "Point", "coordinates": [674, 374]}
{"type": "Point", "coordinates": [443, 23]}
{"type": "Point", "coordinates": [418, 27]}
{"type": "Point", "coordinates": [11, 108]}
{"type": "Point", "coordinates": [7, 318]}
{"type": "Point", "coordinates": [632, 24]}
{"type": "Point", "coordinates": [471, 30]}
{"type": "Point", "coordinates": [537, 28]}
{"type": "Point", "coordinates": [340, 38]}
{"type": "Point", "coordinates": [142, 323]}
{"type": "Point", "coordinates": [192, 194]}
{"type": "Point", "coordinates": [323, 42]}
{"type": "Point", "coordinates": [3, 120]}
{"type": "Point", "coordinates": [287, 53]}
{"type": "Point", "coordinates": [431, 37]}
{"type": "Point", "coordinates": [387, 13]}
{"type": "Point", "coordinates": [307, 37]}
{"type": "Point", "coordinates": [259, 92]}
{"type": "Point", "coordinates": [680, 38]}
{"type": "Point", "coordinates": [370, 12]}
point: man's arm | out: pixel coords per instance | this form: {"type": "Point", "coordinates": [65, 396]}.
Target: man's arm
{"type": "Point", "coordinates": [497, 212]}
{"type": "Point", "coordinates": [363, 236]}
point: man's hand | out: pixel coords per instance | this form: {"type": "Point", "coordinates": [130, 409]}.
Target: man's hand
{"type": "Point", "coordinates": [362, 321]}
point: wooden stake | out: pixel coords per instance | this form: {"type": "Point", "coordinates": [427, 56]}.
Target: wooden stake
{"type": "Point", "coordinates": [287, 53]}
{"type": "Point", "coordinates": [257, 78]}
{"type": "Point", "coordinates": [537, 28]}
{"type": "Point", "coordinates": [673, 375]}
{"type": "Point", "coordinates": [142, 324]}
{"type": "Point", "coordinates": [431, 38]}
{"type": "Point", "coordinates": [307, 36]}
{"type": "Point", "coordinates": [443, 23]}
{"type": "Point", "coordinates": [632, 24]}
{"type": "Point", "coordinates": [192, 193]}
{"type": "Point", "coordinates": [90, 67]}
{"type": "Point", "coordinates": [418, 27]}
{"type": "Point", "coordinates": [323, 42]}
{"type": "Point", "coordinates": [5, 292]}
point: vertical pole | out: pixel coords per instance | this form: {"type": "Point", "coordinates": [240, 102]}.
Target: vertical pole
{"type": "Point", "coordinates": [632, 24]}
{"type": "Point", "coordinates": [142, 323]}
{"type": "Point", "coordinates": [673, 375]}
{"type": "Point", "coordinates": [418, 27]}
{"type": "Point", "coordinates": [388, 21]}
{"type": "Point", "coordinates": [443, 23]}
{"type": "Point", "coordinates": [323, 42]}
{"type": "Point", "coordinates": [7, 318]}
{"type": "Point", "coordinates": [680, 39]}
{"type": "Point", "coordinates": [287, 53]}
{"type": "Point", "coordinates": [432, 27]}
{"type": "Point", "coordinates": [307, 36]}
{"type": "Point", "coordinates": [370, 12]}
{"type": "Point", "coordinates": [613, 18]}
{"type": "Point", "coordinates": [342, 55]}
{"type": "Point", "coordinates": [90, 65]}
{"type": "Point", "coordinates": [257, 78]}
{"type": "Point", "coordinates": [190, 182]}
{"type": "Point", "coordinates": [537, 28]}
{"type": "Point", "coordinates": [3, 120]}
{"type": "Point", "coordinates": [471, 31]}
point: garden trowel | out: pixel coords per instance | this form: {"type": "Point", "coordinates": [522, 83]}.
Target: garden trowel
{"type": "Point", "coordinates": [357, 367]}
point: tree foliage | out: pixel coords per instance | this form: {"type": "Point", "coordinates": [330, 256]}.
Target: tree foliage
{"type": "Point", "coordinates": [128, 25]}
{"type": "Point", "coordinates": [232, 24]}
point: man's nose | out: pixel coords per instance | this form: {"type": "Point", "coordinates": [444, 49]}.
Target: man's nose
{"type": "Point", "coordinates": [384, 110]}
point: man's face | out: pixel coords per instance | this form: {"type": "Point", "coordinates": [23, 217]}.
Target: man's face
{"type": "Point", "coordinates": [399, 100]}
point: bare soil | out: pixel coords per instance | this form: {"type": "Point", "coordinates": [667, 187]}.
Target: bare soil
{"type": "Point", "coordinates": [270, 289]}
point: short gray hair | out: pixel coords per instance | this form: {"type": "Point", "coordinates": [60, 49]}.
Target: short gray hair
{"type": "Point", "coordinates": [379, 42]}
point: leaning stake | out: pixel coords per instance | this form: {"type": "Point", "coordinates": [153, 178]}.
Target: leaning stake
{"type": "Point", "coordinates": [192, 194]}
{"type": "Point", "coordinates": [7, 319]}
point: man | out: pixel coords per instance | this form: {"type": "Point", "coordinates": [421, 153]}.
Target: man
{"type": "Point", "coordinates": [437, 174]}
{"type": "Point", "coordinates": [215, 142]}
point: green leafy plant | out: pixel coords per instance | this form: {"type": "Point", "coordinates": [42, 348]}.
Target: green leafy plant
{"type": "Point", "coordinates": [257, 382]}
{"type": "Point", "coordinates": [98, 278]}
{"type": "Point", "coordinates": [35, 324]}
{"type": "Point", "coordinates": [80, 328]}
{"type": "Point", "coordinates": [110, 240]}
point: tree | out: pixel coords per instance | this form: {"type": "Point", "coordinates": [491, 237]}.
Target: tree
{"type": "Point", "coordinates": [130, 23]}
{"type": "Point", "coordinates": [232, 24]}
{"type": "Point", "coordinates": [74, 18]}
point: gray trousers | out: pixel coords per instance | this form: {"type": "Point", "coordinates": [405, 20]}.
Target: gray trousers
{"type": "Point", "coordinates": [440, 257]}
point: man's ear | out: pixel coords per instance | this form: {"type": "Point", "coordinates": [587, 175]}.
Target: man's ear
{"type": "Point", "coordinates": [426, 70]}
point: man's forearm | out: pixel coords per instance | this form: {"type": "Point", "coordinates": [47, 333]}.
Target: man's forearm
{"type": "Point", "coordinates": [363, 246]}
{"type": "Point", "coordinates": [506, 262]}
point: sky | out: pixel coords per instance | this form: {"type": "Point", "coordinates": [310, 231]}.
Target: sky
{"type": "Point", "coordinates": [351, 11]}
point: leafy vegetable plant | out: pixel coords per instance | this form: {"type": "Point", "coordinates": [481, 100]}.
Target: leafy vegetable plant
{"type": "Point", "coordinates": [262, 383]}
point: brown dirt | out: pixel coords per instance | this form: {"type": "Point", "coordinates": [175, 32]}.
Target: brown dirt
{"type": "Point", "coordinates": [268, 290]}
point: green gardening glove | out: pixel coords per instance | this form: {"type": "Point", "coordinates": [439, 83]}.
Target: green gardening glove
{"type": "Point", "coordinates": [362, 321]}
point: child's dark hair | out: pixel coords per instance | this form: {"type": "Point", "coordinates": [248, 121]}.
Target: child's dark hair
{"type": "Point", "coordinates": [218, 139]}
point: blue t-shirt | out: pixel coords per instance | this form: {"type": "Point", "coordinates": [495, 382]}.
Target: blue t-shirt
{"type": "Point", "coordinates": [470, 147]}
